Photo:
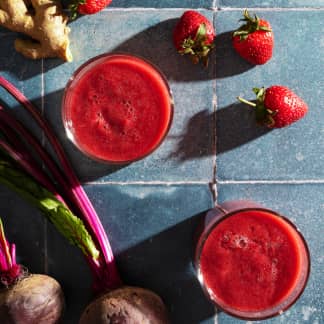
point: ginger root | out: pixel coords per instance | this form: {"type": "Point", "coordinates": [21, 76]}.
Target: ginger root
{"type": "Point", "coordinates": [43, 21]}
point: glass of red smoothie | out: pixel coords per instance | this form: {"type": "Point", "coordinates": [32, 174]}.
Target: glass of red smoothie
{"type": "Point", "coordinates": [117, 108]}
{"type": "Point", "coordinates": [251, 262]}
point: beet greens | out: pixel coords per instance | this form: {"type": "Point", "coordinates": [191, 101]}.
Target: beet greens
{"type": "Point", "coordinates": [70, 226]}
{"type": "Point", "coordinates": [64, 195]}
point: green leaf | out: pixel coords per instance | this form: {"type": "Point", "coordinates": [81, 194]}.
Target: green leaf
{"type": "Point", "coordinates": [264, 28]}
{"type": "Point", "coordinates": [70, 226]}
{"type": "Point", "coordinates": [260, 93]}
{"type": "Point", "coordinates": [201, 34]}
{"type": "Point", "coordinates": [251, 25]}
{"type": "Point", "coordinates": [73, 7]}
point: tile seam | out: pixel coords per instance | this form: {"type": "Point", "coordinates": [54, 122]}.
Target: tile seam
{"type": "Point", "coordinates": [216, 9]}
{"type": "Point", "coordinates": [153, 9]}
{"type": "Point", "coordinates": [166, 183]}
{"type": "Point", "coordinates": [172, 183]}
{"type": "Point", "coordinates": [214, 133]}
{"type": "Point", "coordinates": [306, 181]}
{"type": "Point", "coordinates": [271, 9]}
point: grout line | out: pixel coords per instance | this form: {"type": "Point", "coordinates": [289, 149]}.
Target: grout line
{"type": "Point", "coordinates": [215, 8]}
{"type": "Point", "coordinates": [214, 132]}
{"type": "Point", "coordinates": [43, 166]}
{"type": "Point", "coordinates": [152, 9]}
{"type": "Point", "coordinates": [216, 315]}
{"type": "Point", "coordinates": [166, 183]}
{"type": "Point", "coordinates": [306, 181]}
{"type": "Point", "coordinates": [270, 9]}
{"type": "Point", "coordinates": [212, 184]}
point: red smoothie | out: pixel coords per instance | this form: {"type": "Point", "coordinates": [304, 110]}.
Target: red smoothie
{"type": "Point", "coordinates": [117, 108]}
{"type": "Point", "coordinates": [252, 261]}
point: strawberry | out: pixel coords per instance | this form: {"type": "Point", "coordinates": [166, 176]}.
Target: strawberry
{"type": "Point", "coordinates": [87, 7]}
{"type": "Point", "coordinates": [254, 40]}
{"type": "Point", "coordinates": [277, 106]}
{"type": "Point", "coordinates": [194, 35]}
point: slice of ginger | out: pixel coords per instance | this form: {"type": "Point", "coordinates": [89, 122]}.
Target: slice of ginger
{"type": "Point", "coordinates": [43, 21]}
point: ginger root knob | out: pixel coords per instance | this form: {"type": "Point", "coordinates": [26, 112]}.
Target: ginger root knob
{"type": "Point", "coordinates": [43, 21]}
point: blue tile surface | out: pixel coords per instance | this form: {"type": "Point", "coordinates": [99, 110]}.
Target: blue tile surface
{"type": "Point", "coordinates": [153, 246]}
{"type": "Point", "coordinates": [189, 144]}
{"type": "Point", "coordinates": [304, 206]}
{"type": "Point", "coordinates": [24, 74]}
{"type": "Point", "coordinates": [150, 208]}
{"type": "Point", "coordinates": [163, 4]}
{"type": "Point", "coordinates": [247, 151]}
{"type": "Point", "coordinates": [270, 4]}
{"type": "Point", "coordinates": [157, 4]}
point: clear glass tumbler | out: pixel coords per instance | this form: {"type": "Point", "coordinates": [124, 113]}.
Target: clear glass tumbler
{"type": "Point", "coordinates": [251, 262]}
{"type": "Point", "coordinates": [117, 108]}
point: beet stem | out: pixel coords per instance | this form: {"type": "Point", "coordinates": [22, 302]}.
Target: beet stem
{"type": "Point", "coordinates": [89, 214]}
{"type": "Point", "coordinates": [69, 225]}
{"type": "Point", "coordinates": [6, 260]}
{"type": "Point", "coordinates": [13, 253]}
{"type": "Point", "coordinates": [5, 120]}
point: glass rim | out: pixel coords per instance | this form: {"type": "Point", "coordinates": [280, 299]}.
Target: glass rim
{"type": "Point", "coordinates": [85, 67]}
{"type": "Point", "coordinates": [229, 310]}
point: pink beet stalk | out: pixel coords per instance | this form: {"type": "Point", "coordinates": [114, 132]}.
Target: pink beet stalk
{"type": "Point", "coordinates": [109, 272]}
{"type": "Point", "coordinates": [26, 161]}
{"type": "Point", "coordinates": [13, 253]}
{"type": "Point", "coordinates": [10, 271]}
{"type": "Point", "coordinates": [5, 248]}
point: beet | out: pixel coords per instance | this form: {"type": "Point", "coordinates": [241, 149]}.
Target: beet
{"type": "Point", "coordinates": [126, 305]}
{"type": "Point", "coordinates": [26, 298]}
{"type": "Point", "coordinates": [65, 203]}
{"type": "Point", "coordinates": [35, 299]}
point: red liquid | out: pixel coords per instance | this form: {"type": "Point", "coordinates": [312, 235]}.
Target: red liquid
{"type": "Point", "coordinates": [251, 261]}
{"type": "Point", "coordinates": [120, 109]}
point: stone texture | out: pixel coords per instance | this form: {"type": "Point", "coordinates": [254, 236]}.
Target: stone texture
{"type": "Point", "coordinates": [23, 74]}
{"type": "Point", "coordinates": [189, 144]}
{"type": "Point", "coordinates": [245, 150]}
{"type": "Point", "coordinates": [163, 4]}
{"type": "Point", "coordinates": [270, 4]}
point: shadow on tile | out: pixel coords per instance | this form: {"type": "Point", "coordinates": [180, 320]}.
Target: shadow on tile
{"type": "Point", "coordinates": [236, 126]}
{"type": "Point", "coordinates": [163, 263]}
{"type": "Point", "coordinates": [161, 52]}
{"type": "Point", "coordinates": [18, 215]}
{"type": "Point", "coordinates": [228, 62]}
{"type": "Point", "coordinates": [16, 64]}
{"type": "Point", "coordinates": [195, 141]}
